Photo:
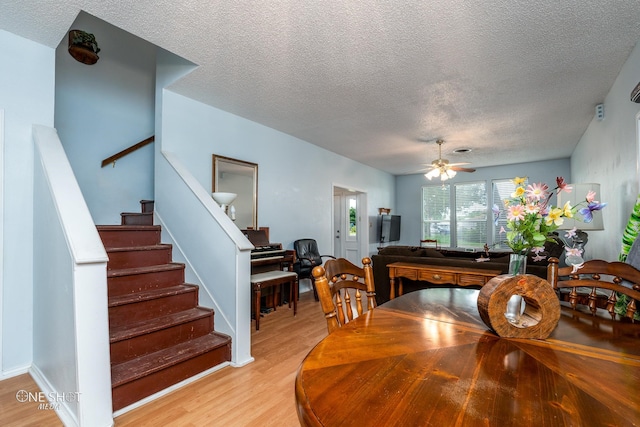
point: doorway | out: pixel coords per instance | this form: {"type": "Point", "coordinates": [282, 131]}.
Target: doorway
{"type": "Point", "coordinates": [349, 224]}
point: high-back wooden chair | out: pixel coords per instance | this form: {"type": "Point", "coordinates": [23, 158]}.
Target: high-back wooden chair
{"type": "Point", "coordinates": [341, 285]}
{"type": "Point", "coordinates": [597, 284]}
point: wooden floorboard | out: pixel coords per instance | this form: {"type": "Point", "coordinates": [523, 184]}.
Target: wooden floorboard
{"type": "Point", "coordinates": [14, 413]}
{"type": "Point", "coordinates": [259, 394]}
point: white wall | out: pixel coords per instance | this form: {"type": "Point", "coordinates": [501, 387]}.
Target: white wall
{"type": "Point", "coordinates": [608, 154]}
{"type": "Point", "coordinates": [295, 182]}
{"type": "Point", "coordinates": [409, 189]}
{"type": "Point", "coordinates": [102, 109]}
{"type": "Point", "coordinates": [27, 93]}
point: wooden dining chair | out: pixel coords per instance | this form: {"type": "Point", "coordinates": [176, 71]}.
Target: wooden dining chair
{"type": "Point", "coordinates": [340, 285]}
{"type": "Point", "coordinates": [598, 284]}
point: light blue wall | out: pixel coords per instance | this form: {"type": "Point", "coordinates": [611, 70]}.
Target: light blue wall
{"type": "Point", "coordinates": [608, 154]}
{"type": "Point", "coordinates": [409, 189]}
{"type": "Point", "coordinates": [26, 95]}
{"type": "Point", "coordinates": [102, 109]}
{"type": "Point", "coordinates": [296, 179]}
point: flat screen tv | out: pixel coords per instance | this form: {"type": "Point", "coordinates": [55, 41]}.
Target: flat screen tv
{"type": "Point", "coordinates": [389, 228]}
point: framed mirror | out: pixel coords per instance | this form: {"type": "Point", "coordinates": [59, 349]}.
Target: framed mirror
{"type": "Point", "coordinates": [240, 177]}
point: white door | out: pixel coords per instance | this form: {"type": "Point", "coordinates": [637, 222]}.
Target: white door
{"type": "Point", "coordinates": [349, 206]}
{"type": "Point", "coordinates": [337, 226]}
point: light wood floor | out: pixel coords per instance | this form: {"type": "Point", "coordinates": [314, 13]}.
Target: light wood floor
{"type": "Point", "coordinates": [259, 394]}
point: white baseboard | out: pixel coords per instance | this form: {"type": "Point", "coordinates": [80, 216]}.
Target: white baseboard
{"type": "Point", "coordinates": [5, 375]}
{"type": "Point", "coordinates": [62, 409]}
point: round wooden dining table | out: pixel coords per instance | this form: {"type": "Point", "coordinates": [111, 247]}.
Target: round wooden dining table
{"type": "Point", "coordinates": [427, 359]}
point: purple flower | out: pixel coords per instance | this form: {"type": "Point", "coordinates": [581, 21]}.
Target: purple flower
{"type": "Point", "coordinates": [496, 214]}
{"type": "Point", "coordinates": [587, 213]}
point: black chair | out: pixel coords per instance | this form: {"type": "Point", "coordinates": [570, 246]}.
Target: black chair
{"type": "Point", "coordinates": [307, 257]}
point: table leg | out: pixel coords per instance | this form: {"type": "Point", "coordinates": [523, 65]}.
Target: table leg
{"type": "Point", "coordinates": [281, 294]}
{"type": "Point", "coordinates": [392, 282]}
{"type": "Point", "coordinates": [295, 296]}
{"type": "Point", "coordinates": [258, 293]}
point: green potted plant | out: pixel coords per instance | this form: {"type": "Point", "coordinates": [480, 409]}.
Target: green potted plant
{"type": "Point", "coordinates": [83, 47]}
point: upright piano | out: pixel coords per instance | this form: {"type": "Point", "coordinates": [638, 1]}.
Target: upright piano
{"type": "Point", "coordinates": [268, 256]}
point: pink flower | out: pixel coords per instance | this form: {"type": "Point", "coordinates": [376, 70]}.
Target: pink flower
{"type": "Point", "coordinates": [537, 191]}
{"type": "Point", "coordinates": [539, 258]}
{"type": "Point", "coordinates": [502, 230]}
{"type": "Point", "coordinates": [591, 195]}
{"type": "Point", "coordinates": [562, 185]}
{"type": "Point", "coordinates": [571, 233]}
{"type": "Point", "coordinates": [515, 213]}
{"type": "Point", "coordinates": [536, 250]}
{"type": "Point", "coordinates": [577, 267]}
{"type": "Point", "coordinates": [573, 252]}
{"type": "Point", "coordinates": [532, 208]}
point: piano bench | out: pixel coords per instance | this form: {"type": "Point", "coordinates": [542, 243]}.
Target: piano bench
{"type": "Point", "coordinates": [274, 278]}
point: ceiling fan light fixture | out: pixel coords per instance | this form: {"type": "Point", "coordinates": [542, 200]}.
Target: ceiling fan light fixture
{"type": "Point", "coordinates": [447, 174]}
{"type": "Point", "coordinates": [432, 174]}
{"type": "Point", "coordinates": [442, 168]}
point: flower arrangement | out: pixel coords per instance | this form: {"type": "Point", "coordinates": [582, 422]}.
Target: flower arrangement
{"type": "Point", "coordinates": [531, 220]}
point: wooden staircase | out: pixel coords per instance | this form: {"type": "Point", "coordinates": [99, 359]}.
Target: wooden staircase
{"type": "Point", "coordinates": [159, 335]}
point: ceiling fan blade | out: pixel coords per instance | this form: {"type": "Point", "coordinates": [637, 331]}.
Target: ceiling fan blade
{"type": "Point", "coordinates": [459, 169]}
{"type": "Point", "coordinates": [458, 164]}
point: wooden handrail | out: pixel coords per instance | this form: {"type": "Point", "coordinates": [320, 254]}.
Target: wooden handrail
{"type": "Point", "coordinates": [126, 151]}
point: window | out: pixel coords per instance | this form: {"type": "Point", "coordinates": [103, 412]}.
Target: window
{"type": "Point", "coordinates": [471, 214]}
{"type": "Point", "coordinates": [352, 205]}
{"type": "Point", "coordinates": [502, 190]}
{"type": "Point", "coordinates": [469, 225]}
{"type": "Point", "coordinates": [436, 222]}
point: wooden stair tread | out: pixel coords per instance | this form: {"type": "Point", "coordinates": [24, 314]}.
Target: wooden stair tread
{"type": "Point", "coordinates": [146, 269]}
{"type": "Point", "coordinates": [154, 362]}
{"type": "Point", "coordinates": [111, 227]}
{"type": "Point", "coordinates": [146, 326]}
{"type": "Point", "coordinates": [159, 246]}
{"type": "Point", "coordinates": [151, 294]}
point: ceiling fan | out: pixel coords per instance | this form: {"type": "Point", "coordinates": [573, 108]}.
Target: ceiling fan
{"type": "Point", "coordinates": [442, 168]}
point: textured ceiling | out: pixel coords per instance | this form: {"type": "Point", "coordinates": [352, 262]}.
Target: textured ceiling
{"type": "Point", "coordinates": [516, 81]}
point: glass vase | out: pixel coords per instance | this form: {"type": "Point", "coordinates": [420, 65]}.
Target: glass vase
{"type": "Point", "coordinates": [516, 304]}
{"type": "Point", "coordinates": [517, 264]}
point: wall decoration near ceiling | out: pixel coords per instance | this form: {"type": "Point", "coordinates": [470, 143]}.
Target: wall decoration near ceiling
{"type": "Point", "coordinates": [83, 47]}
